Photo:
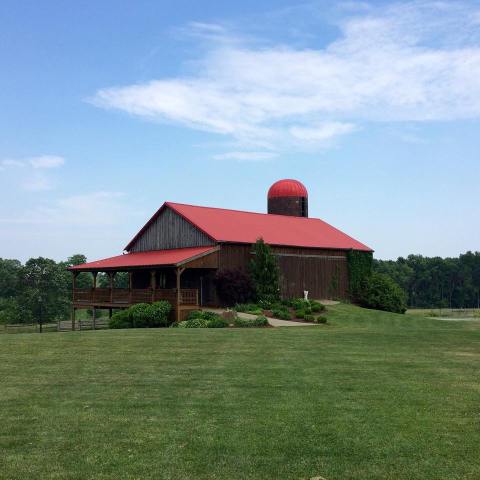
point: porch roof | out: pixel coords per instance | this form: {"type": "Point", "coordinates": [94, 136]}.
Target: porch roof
{"type": "Point", "coordinates": [153, 258]}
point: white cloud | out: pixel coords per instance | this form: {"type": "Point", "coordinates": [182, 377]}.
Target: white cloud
{"type": "Point", "coordinates": [246, 156]}
{"type": "Point", "coordinates": [41, 161]}
{"type": "Point", "coordinates": [322, 132]}
{"type": "Point", "coordinates": [415, 61]}
{"type": "Point", "coordinates": [90, 209]}
{"type": "Point", "coordinates": [29, 172]}
{"type": "Point", "coordinates": [46, 161]}
{"type": "Point", "coordinates": [11, 163]}
{"type": "Point", "coordinates": [37, 183]}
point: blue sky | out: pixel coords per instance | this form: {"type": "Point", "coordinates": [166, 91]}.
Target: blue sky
{"type": "Point", "coordinates": [109, 109]}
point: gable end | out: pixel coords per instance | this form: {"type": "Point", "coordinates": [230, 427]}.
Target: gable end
{"type": "Point", "coordinates": [169, 230]}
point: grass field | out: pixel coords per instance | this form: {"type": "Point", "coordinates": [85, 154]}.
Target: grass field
{"type": "Point", "coordinates": [453, 313]}
{"type": "Point", "coordinates": [370, 396]}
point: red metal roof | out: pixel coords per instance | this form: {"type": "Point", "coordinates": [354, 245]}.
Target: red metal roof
{"type": "Point", "coordinates": [236, 226]}
{"type": "Point", "coordinates": [287, 188]}
{"type": "Point", "coordinates": [145, 259]}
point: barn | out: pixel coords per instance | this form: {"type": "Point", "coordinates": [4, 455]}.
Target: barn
{"type": "Point", "coordinates": [177, 253]}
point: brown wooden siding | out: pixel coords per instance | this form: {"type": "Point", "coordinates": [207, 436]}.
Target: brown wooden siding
{"type": "Point", "coordinates": [324, 273]}
{"type": "Point", "coordinates": [206, 261]}
{"type": "Point", "coordinates": [170, 230]}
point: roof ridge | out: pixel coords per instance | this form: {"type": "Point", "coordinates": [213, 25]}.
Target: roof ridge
{"type": "Point", "coordinates": [243, 211]}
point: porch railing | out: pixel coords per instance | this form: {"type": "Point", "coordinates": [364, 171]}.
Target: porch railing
{"type": "Point", "coordinates": [125, 296]}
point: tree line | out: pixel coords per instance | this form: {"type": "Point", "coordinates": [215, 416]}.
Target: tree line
{"type": "Point", "coordinates": [435, 282]}
{"type": "Point", "coordinates": [40, 289]}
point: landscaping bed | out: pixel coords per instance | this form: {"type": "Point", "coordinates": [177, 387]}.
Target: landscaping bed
{"type": "Point", "coordinates": [296, 310]}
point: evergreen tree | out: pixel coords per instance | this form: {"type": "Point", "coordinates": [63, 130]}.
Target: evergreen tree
{"type": "Point", "coordinates": [265, 272]}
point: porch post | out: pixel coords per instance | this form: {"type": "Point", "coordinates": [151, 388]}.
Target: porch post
{"type": "Point", "coordinates": [111, 276]}
{"type": "Point", "coordinates": [130, 288]}
{"type": "Point", "coordinates": [179, 272]}
{"type": "Point", "coordinates": [94, 274]}
{"type": "Point", "coordinates": [153, 283]}
{"type": "Point", "coordinates": [74, 286]}
{"type": "Point", "coordinates": [94, 318]}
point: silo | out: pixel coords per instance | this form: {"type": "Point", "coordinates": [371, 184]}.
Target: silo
{"type": "Point", "coordinates": [288, 197]}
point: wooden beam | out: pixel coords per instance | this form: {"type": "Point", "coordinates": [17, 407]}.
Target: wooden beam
{"type": "Point", "coordinates": [130, 288]}
{"type": "Point", "coordinates": [94, 317]}
{"type": "Point", "coordinates": [74, 286]}
{"type": "Point", "coordinates": [178, 272]}
{"type": "Point", "coordinates": [153, 283]}
{"type": "Point", "coordinates": [111, 277]}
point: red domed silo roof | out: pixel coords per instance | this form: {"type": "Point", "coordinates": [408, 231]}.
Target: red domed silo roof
{"type": "Point", "coordinates": [287, 188]}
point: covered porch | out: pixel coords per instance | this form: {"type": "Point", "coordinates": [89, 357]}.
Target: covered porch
{"type": "Point", "coordinates": [183, 277]}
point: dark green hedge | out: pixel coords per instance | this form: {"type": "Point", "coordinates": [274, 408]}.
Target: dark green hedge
{"type": "Point", "coordinates": [143, 315]}
{"type": "Point", "coordinates": [360, 266]}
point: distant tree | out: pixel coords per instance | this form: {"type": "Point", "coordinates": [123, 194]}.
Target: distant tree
{"type": "Point", "coordinates": [45, 289]}
{"type": "Point", "coordinates": [434, 282]}
{"type": "Point", "coordinates": [10, 277]}
{"type": "Point", "coordinates": [84, 279]}
{"type": "Point", "coordinates": [265, 272]}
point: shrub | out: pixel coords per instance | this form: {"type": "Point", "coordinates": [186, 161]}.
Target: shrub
{"type": "Point", "coordinates": [320, 319]}
{"type": "Point", "coordinates": [269, 301]}
{"type": "Point", "coordinates": [200, 319]}
{"type": "Point", "coordinates": [245, 307]}
{"type": "Point", "coordinates": [282, 313]}
{"type": "Point", "coordinates": [260, 321]}
{"type": "Point", "coordinates": [234, 286]}
{"type": "Point", "coordinates": [139, 315]}
{"type": "Point", "coordinates": [379, 291]}
{"type": "Point", "coordinates": [193, 323]}
{"type": "Point", "coordinates": [317, 306]}
{"type": "Point", "coordinates": [217, 323]}
{"type": "Point", "coordinates": [120, 320]}
{"type": "Point", "coordinates": [299, 303]}
{"type": "Point", "coordinates": [159, 313]}
{"type": "Point", "coordinates": [299, 313]}
{"type": "Point", "coordinates": [142, 315]}
{"type": "Point", "coordinates": [309, 317]}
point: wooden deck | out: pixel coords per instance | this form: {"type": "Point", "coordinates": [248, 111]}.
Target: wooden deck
{"type": "Point", "coordinates": [124, 297]}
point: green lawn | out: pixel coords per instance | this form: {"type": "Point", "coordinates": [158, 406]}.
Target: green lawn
{"type": "Point", "coordinates": [369, 396]}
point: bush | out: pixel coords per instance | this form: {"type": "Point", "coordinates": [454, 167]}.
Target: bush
{"type": "Point", "coordinates": [269, 301]}
{"type": "Point", "coordinates": [245, 307]}
{"type": "Point", "coordinates": [120, 320]}
{"type": "Point", "coordinates": [234, 286]}
{"type": "Point", "coordinates": [320, 319]}
{"type": "Point", "coordinates": [379, 291]}
{"type": "Point", "coordinates": [160, 314]}
{"type": "Point", "coordinates": [299, 313]}
{"type": "Point", "coordinates": [260, 321]}
{"type": "Point", "coordinates": [139, 315]}
{"type": "Point", "coordinates": [217, 323]}
{"type": "Point", "coordinates": [309, 317]}
{"type": "Point", "coordinates": [317, 306]}
{"type": "Point", "coordinates": [282, 313]}
{"type": "Point", "coordinates": [142, 315]}
{"type": "Point", "coordinates": [193, 323]}
{"type": "Point", "coordinates": [200, 319]}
